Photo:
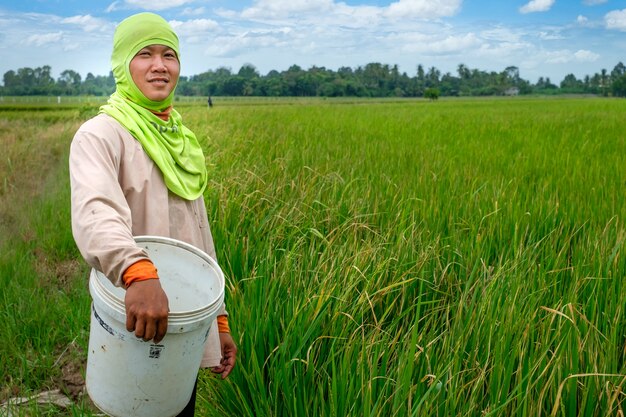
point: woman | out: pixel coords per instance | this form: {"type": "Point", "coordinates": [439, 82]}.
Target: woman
{"type": "Point", "coordinates": [135, 169]}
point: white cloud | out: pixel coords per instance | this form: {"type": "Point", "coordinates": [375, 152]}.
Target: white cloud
{"type": "Point", "coordinates": [228, 46]}
{"type": "Point", "coordinates": [194, 26]}
{"type": "Point", "coordinates": [502, 34]}
{"type": "Point", "coordinates": [44, 39]}
{"type": "Point", "coordinates": [537, 6]}
{"type": "Point", "coordinates": [584, 21]}
{"type": "Point", "coordinates": [329, 10]}
{"type": "Point", "coordinates": [566, 56]}
{"type": "Point", "coordinates": [86, 22]}
{"type": "Point", "coordinates": [550, 36]}
{"type": "Point", "coordinates": [188, 11]}
{"type": "Point", "coordinates": [350, 17]}
{"type": "Point", "coordinates": [433, 45]}
{"type": "Point", "coordinates": [616, 20]}
{"type": "Point", "coordinates": [558, 57]}
{"type": "Point", "coordinates": [153, 4]}
{"type": "Point", "coordinates": [284, 8]}
{"type": "Point", "coordinates": [425, 9]}
{"type": "Point", "coordinates": [71, 47]}
{"type": "Point", "coordinates": [113, 7]}
{"type": "Point", "coordinates": [506, 52]}
{"type": "Point", "coordinates": [583, 55]}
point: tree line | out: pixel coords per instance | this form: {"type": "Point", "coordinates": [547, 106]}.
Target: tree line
{"type": "Point", "coordinates": [371, 80]}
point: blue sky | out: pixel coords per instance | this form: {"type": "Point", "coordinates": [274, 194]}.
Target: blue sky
{"type": "Point", "coordinates": [549, 38]}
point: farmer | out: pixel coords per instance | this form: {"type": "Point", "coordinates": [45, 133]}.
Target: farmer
{"type": "Point", "coordinates": [135, 169]}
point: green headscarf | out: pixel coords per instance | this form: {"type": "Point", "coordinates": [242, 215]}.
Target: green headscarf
{"type": "Point", "coordinates": [173, 147]}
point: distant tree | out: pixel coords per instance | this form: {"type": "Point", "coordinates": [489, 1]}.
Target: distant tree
{"type": "Point", "coordinates": [223, 73]}
{"type": "Point", "coordinates": [464, 72]}
{"type": "Point", "coordinates": [345, 72]}
{"type": "Point", "coordinates": [248, 71]}
{"type": "Point", "coordinates": [571, 84]}
{"type": "Point", "coordinates": [449, 85]}
{"type": "Point", "coordinates": [432, 77]}
{"type": "Point", "coordinates": [545, 86]}
{"type": "Point", "coordinates": [618, 88]}
{"type": "Point", "coordinates": [421, 74]}
{"type": "Point", "coordinates": [511, 76]}
{"type": "Point", "coordinates": [69, 82]}
{"type": "Point", "coordinates": [28, 81]}
{"type": "Point", "coordinates": [184, 88]}
{"type": "Point", "coordinates": [465, 75]}
{"type": "Point", "coordinates": [431, 93]}
{"type": "Point", "coordinates": [11, 80]}
{"type": "Point", "coordinates": [604, 82]}
{"type": "Point", "coordinates": [295, 84]}
{"type": "Point", "coordinates": [273, 85]}
{"type": "Point", "coordinates": [26, 78]}
{"type": "Point", "coordinates": [375, 76]}
{"type": "Point", "coordinates": [618, 80]}
{"type": "Point", "coordinates": [618, 71]}
{"type": "Point", "coordinates": [233, 86]}
{"type": "Point", "coordinates": [89, 85]}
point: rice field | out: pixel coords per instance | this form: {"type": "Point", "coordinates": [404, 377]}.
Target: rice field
{"type": "Point", "coordinates": [383, 257]}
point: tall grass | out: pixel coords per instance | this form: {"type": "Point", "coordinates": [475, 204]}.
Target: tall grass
{"type": "Point", "coordinates": [44, 303]}
{"type": "Point", "coordinates": [383, 258]}
{"type": "Point", "coordinates": [460, 258]}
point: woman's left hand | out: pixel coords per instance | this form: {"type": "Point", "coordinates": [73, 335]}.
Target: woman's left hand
{"type": "Point", "coordinates": [229, 355]}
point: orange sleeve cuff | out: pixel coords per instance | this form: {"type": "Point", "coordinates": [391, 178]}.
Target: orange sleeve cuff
{"type": "Point", "coordinates": [222, 324]}
{"type": "Point", "coordinates": [139, 271]}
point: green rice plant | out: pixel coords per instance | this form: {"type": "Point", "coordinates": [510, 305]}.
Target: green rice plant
{"type": "Point", "coordinates": [417, 259]}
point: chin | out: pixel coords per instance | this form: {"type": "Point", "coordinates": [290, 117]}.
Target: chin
{"type": "Point", "coordinates": [158, 96]}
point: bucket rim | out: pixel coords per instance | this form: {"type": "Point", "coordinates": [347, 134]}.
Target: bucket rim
{"type": "Point", "coordinates": [115, 305]}
{"type": "Point", "coordinates": [142, 240]}
{"type": "Point", "coordinates": [198, 252]}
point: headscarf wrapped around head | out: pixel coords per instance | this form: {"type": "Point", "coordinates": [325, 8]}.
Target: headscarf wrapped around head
{"type": "Point", "coordinates": [131, 36]}
{"type": "Point", "coordinates": [172, 146]}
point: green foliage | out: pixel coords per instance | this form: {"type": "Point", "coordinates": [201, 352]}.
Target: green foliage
{"type": "Point", "coordinates": [372, 80]}
{"type": "Point", "coordinates": [39, 82]}
{"type": "Point", "coordinates": [431, 94]}
{"type": "Point", "coordinates": [619, 86]}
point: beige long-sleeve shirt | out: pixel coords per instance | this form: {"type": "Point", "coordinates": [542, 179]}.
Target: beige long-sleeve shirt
{"type": "Point", "coordinates": [117, 193]}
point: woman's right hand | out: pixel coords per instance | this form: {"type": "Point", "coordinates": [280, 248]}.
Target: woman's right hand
{"type": "Point", "coordinates": [147, 309]}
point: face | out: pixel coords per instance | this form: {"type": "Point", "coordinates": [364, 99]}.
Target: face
{"type": "Point", "coordinates": [155, 71]}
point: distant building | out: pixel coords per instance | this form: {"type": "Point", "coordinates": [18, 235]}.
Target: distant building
{"type": "Point", "coordinates": [513, 91]}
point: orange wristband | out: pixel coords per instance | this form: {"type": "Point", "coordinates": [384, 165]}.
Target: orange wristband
{"type": "Point", "coordinates": [139, 271]}
{"type": "Point", "coordinates": [222, 324]}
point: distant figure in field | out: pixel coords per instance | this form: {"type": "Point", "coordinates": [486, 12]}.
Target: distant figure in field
{"type": "Point", "coordinates": [210, 102]}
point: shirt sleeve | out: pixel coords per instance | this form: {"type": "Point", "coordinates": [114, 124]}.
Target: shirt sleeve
{"type": "Point", "coordinates": [101, 217]}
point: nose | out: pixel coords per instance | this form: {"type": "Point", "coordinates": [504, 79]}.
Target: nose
{"type": "Point", "coordinates": [158, 64]}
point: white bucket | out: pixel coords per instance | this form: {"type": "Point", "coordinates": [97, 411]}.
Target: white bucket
{"type": "Point", "coordinates": [129, 377]}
